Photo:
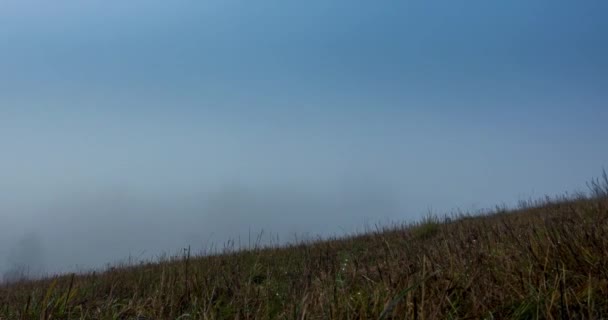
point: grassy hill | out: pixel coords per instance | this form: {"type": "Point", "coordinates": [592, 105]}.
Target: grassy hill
{"type": "Point", "coordinates": [547, 259]}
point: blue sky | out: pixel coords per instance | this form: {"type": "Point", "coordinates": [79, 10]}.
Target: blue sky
{"type": "Point", "coordinates": [378, 110]}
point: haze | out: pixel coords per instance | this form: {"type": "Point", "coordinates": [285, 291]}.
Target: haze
{"type": "Point", "coordinates": [136, 128]}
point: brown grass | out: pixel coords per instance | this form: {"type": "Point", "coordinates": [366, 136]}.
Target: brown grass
{"type": "Point", "coordinates": [546, 260]}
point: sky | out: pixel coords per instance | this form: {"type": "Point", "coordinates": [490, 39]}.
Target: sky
{"type": "Point", "coordinates": [136, 128]}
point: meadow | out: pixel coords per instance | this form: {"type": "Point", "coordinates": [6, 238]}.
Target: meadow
{"type": "Point", "coordinates": [545, 259]}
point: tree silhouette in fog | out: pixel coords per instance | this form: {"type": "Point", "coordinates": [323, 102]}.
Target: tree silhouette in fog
{"type": "Point", "coordinates": [25, 260]}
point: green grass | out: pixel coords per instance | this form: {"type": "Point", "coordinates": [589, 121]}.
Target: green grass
{"type": "Point", "coordinates": [546, 260]}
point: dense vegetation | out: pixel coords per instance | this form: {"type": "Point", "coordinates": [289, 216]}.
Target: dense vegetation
{"type": "Point", "coordinates": [547, 259]}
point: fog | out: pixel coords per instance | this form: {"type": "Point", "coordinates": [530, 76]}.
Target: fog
{"type": "Point", "coordinates": [133, 129]}
{"type": "Point", "coordinates": [91, 230]}
{"type": "Point", "coordinates": [96, 226]}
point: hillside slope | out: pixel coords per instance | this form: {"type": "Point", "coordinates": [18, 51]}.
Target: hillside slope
{"type": "Point", "coordinates": [547, 259]}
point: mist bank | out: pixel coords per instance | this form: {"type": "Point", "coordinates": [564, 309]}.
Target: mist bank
{"type": "Point", "coordinates": [82, 230]}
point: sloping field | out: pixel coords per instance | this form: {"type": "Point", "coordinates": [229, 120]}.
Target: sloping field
{"type": "Point", "coordinates": [546, 260]}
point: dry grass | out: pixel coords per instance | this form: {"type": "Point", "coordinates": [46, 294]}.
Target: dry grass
{"type": "Point", "coordinates": [546, 260]}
